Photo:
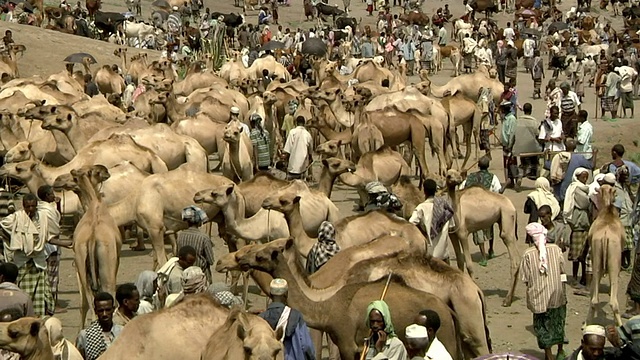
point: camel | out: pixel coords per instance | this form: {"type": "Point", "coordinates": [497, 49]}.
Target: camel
{"type": "Point", "coordinates": [244, 336]}
{"type": "Point", "coordinates": [606, 237]}
{"type": "Point", "coordinates": [350, 231]}
{"type": "Point", "coordinates": [108, 81]}
{"type": "Point", "coordinates": [99, 104]}
{"type": "Point", "coordinates": [476, 208]}
{"type": "Point", "coordinates": [163, 334]}
{"type": "Point", "coordinates": [96, 238]}
{"type": "Point", "coordinates": [28, 337]}
{"type": "Point", "coordinates": [9, 62]}
{"type": "Point", "coordinates": [408, 194]}
{"type": "Point", "coordinates": [469, 85]}
{"type": "Point", "coordinates": [198, 80]}
{"type": "Point", "coordinates": [349, 302]}
{"type": "Point", "coordinates": [237, 163]}
{"type": "Point", "coordinates": [156, 204]}
{"type": "Point", "coordinates": [206, 132]}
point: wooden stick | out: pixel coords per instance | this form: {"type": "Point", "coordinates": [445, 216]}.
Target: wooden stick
{"type": "Point", "coordinates": [365, 349]}
{"type": "Point", "coordinates": [552, 153]}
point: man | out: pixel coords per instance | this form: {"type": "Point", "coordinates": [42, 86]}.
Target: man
{"type": "Point", "coordinates": [287, 123]}
{"type": "Point", "coordinates": [508, 138]}
{"type": "Point", "coordinates": [94, 340]}
{"type": "Point", "coordinates": [426, 51]}
{"type": "Point", "coordinates": [432, 218]}
{"type": "Point", "coordinates": [542, 271]}
{"type": "Point", "coordinates": [469, 47]}
{"type": "Point", "coordinates": [442, 36]}
{"type": "Point", "coordinates": [128, 299]}
{"type": "Point", "coordinates": [170, 274]}
{"type": "Point", "coordinates": [261, 141]}
{"type": "Point", "coordinates": [243, 37]}
{"type": "Point", "coordinates": [298, 150]}
{"type": "Point", "coordinates": [625, 339]}
{"type": "Point", "coordinates": [568, 102]}
{"type": "Point", "coordinates": [508, 33]}
{"type": "Point", "coordinates": [279, 315]}
{"type": "Point", "coordinates": [628, 76]}
{"type": "Point", "coordinates": [431, 320]}
{"type": "Point", "coordinates": [383, 343]}
{"type": "Point", "coordinates": [484, 55]}
{"type": "Point", "coordinates": [417, 341]}
{"type": "Point", "coordinates": [610, 95]}
{"type": "Point", "coordinates": [562, 167]}
{"type": "Point", "coordinates": [234, 114]}
{"type": "Point", "coordinates": [585, 134]}
{"type": "Point", "coordinates": [366, 48]}
{"type": "Point", "coordinates": [551, 131]}
{"type": "Point", "coordinates": [526, 134]}
{"type": "Point", "coordinates": [617, 152]}
{"type": "Point", "coordinates": [408, 52]}
{"type": "Point", "coordinates": [555, 232]}
{"type": "Point", "coordinates": [592, 344]}
{"type": "Point", "coordinates": [528, 48]}
{"type": "Point", "coordinates": [25, 233]}
{"type": "Point", "coordinates": [193, 237]}
{"type": "Point", "coordinates": [11, 296]}
{"type": "Point", "coordinates": [501, 61]}
{"type": "Point", "coordinates": [624, 204]}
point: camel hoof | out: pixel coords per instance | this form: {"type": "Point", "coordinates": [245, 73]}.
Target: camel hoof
{"type": "Point", "coordinates": [137, 247]}
{"type": "Point", "coordinates": [506, 303]}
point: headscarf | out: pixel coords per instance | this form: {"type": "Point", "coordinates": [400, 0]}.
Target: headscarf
{"type": "Point", "coordinates": [383, 308]}
{"type": "Point", "coordinates": [324, 249]}
{"type": "Point", "coordinates": [569, 198]}
{"type": "Point", "coordinates": [194, 215]}
{"type": "Point", "coordinates": [144, 284]}
{"type": "Point", "coordinates": [595, 185]}
{"type": "Point", "coordinates": [500, 44]}
{"type": "Point", "coordinates": [543, 195]}
{"type": "Point", "coordinates": [539, 234]}
{"type": "Point", "coordinates": [193, 280]}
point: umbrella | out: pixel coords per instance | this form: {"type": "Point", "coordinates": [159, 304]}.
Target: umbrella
{"type": "Point", "coordinates": [272, 45]}
{"type": "Point", "coordinates": [314, 46]}
{"type": "Point", "coordinates": [78, 57]}
{"type": "Point", "coordinates": [530, 31]}
{"type": "Point", "coordinates": [557, 26]}
{"type": "Point", "coordinates": [161, 4]}
{"type": "Point", "coordinates": [506, 356]}
{"type": "Point", "coordinates": [527, 12]}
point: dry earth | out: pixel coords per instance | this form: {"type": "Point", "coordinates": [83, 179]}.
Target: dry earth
{"type": "Point", "coordinates": [510, 328]}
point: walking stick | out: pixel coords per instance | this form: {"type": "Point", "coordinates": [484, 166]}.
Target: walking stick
{"type": "Point", "coordinates": [365, 349]}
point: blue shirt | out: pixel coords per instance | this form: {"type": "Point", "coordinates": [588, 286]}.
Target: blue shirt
{"type": "Point", "coordinates": [634, 171]}
{"type": "Point", "coordinates": [577, 160]}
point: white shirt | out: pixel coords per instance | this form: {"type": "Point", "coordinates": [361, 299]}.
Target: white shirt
{"type": "Point", "coordinates": [468, 8]}
{"type": "Point", "coordinates": [556, 132]}
{"type": "Point", "coordinates": [527, 47]}
{"type": "Point", "coordinates": [485, 56]}
{"type": "Point", "coordinates": [495, 184]}
{"type": "Point", "coordinates": [422, 216]}
{"type": "Point", "coordinates": [585, 133]}
{"type": "Point", "coordinates": [437, 351]}
{"type": "Point", "coordinates": [627, 73]}
{"type": "Point", "coordinates": [298, 146]}
{"type": "Point", "coordinates": [571, 94]}
{"type": "Point", "coordinates": [509, 34]}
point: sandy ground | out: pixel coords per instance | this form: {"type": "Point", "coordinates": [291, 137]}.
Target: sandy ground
{"type": "Point", "coordinates": [510, 328]}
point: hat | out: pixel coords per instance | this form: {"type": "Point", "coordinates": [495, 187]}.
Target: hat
{"type": "Point", "coordinates": [194, 215]}
{"type": "Point", "coordinates": [415, 331]}
{"type": "Point", "coordinates": [630, 331]}
{"type": "Point", "coordinates": [609, 178]}
{"type": "Point", "coordinates": [506, 103]}
{"type": "Point", "coordinates": [235, 110]}
{"type": "Point", "coordinates": [375, 187]}
{"type": "Point", "coordinates": [278, 287]}
{"type": "Point", "coordinates": [597, 330]}
{"type": "Point", "coordinates": [175, 8]}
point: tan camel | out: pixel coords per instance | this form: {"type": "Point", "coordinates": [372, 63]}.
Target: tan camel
{"type": "Point", "coordinates": [28, 337]}
{"type": "Point", "coordinates": [408, 194]}
{"type": "Point", "coordinates": [350, 231]}
{"type": "Point", "coordinates": [469, 85]}
{"type": "Point", "coordinates": [207, 133]}
{"type": "Point", "coordinates": [476, 208]}
{"type": "Point", "coordinates": [108, 81]}
{"type": "Point", "coordinates": [96, 238]}
{"type": "Point", "coordinates": [349, 303]}
{"type": "Point", "coordinates": [9, 61]}
{"type": "Point", "coordinates": [244, 336]}
{"type": "Point", "coordinates": [163, 335]}
{"type": "Point", "coordinates": [606, 237]}
{"type": "Point", "coordinates": [99, 104]}
{"type": "Point", "coordinates": [237, 163]}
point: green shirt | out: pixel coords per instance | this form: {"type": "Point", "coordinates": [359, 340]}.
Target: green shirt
{"type": "Point", "coordinates": [508, 131]}
{"type": "Point", "coordinates": [260, 141]}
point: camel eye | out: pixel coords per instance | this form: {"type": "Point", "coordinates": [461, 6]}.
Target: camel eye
{"type": "Point", "coordinates": [13, 334]}
{"type": "Point", "coordinates": [247, 350]}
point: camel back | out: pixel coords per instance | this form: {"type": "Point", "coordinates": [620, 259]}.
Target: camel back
{"type": "Point", "coordinates": [491, 200]}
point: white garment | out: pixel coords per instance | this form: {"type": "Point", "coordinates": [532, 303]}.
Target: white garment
{"type": "Point", "coordinates": [627, 73]}
{"type": "Point", "coordinates": [469, 45]}
{"type": "Point", "coordinates": [145, 307]}
{"type": "Point", "coordinates": [437, 351]}
{"type": "Point", "coordinates": [528, 46]}
{"type": "Point", "coordinates": [509, 34]}
{"type": "Point", "coordinates": [585, 133]}
{"type": "Point", "coordinates": [495, 184]}
{"type": "Point", "coordinates": [468, 8]}
{"type": "Point", "coordinates": [298, 146]}
{"type": "Point", "coordinates": [556, 132]}
{"type": "Point", "coordinates": [572, 95]}
{"type": "Point", "coordinates": [422, 216]}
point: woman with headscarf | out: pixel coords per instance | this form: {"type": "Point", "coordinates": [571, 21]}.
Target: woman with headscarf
{"type": "Point", "coordinates": [147, 284]}
{"type": "Point", "coordinates": [542, 195]}
{"type": "Point", "coordinates": [62, 348]}
{"type": "Point", "coordinates": [383, 342]}
{"type": "Point", "coordinates": [324, 249]}
{"type": "Point", "coordinates": [576, 214]}
{"type": "Point", "coordinates": [542, 270]}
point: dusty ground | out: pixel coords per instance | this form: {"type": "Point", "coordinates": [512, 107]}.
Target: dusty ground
{"type": "Point", "coordinates": [510, 327]}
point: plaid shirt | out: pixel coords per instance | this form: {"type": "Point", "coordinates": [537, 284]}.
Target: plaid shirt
{"type": "Point", "coordinates": [260, 141]}
{"type": "Point", "coordinates": [323, 250]}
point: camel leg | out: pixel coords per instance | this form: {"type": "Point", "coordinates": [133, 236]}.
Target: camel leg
{"type": "Point", "coordinates": [316, 337]}
{"type": "Point", "coordinates": [596, 259]}
{"type": "Point", "coordinates": [417, 140]}
{"type": "Point", "coordinates": [457, 248]}
{"type": "Point", "coordinates": [614, 272]}
{"type": "Point", "coordinates": [245, 290]}
{"type": "Point", "coordinates": [172, 240]}
{"type": "Point", "coordinates": [514, 258]}
{"type": "Point", "coordinates": [467, 130]}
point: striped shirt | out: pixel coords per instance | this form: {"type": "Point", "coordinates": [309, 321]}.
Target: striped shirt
{"type": "Point", "coordinates": [203, 245]}
{"type": "Point", "coordinates": [544, 291]}
{"type": "Point", "coordinates": [260, 141]}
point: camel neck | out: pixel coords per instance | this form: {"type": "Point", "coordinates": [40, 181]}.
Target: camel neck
{"type": "Point", "coordinates": [75, 135]}
{"type": "Point", "coordinates": [325, 185]}
{"type": "Point", "coordinates": [296, 230]}
{"type": "Point", "coordinates": [234, 210]}
{"type": "Point", "coordinates": [88, 192]}
{"type": "Point", "coordinates": [327, 132]}
{"type": "Point", "coordinates": [234, 158]}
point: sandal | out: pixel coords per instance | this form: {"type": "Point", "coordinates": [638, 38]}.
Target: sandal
{"type": "Point", "coordinates": [492, 255]}
{"type": "Point", "coordinates": [483, 262]}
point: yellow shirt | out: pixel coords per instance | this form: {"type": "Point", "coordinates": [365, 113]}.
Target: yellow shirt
{"type": "Point", "coordinates": [287, 124]}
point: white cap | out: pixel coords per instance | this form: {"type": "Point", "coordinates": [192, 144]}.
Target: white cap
{"type": "Point", "coordinates": [415, 331]}
{"type": "Point", "coordinates": [609, 179]}
{"type": "Point", "coordinates": [597, 330]}
{"type": "Point", "coordinates": [235, 110]}
{"type": "Point", "coordinates": [278, 287]}
{"type": "Point", "coordinates": [175, 8]}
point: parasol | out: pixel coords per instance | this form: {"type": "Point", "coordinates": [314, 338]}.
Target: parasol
{"type": "Point", "coordinates": [528, 12]}
{"type": "Point", "coordinates": [161, 4]}
{"type": "Point", "coordinates": [78, 57]}
{"type": "Point", "coordinates": [506, 356]}
{"type": "Point", "coordinates": [557, 26]}
{"type": "Point", "coordinates": [272, 45]}
{"type": "Point", "coordinates": [314, 46]}
{"type": "Point", "coordinates": [530, 31]}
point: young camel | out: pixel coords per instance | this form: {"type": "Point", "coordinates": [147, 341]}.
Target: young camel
{"type": "Point", "coordinates": [236, 161]}
{"type": "Point", "coordinates": [606, 237]}
{"type": "Point", "coordinates": [320, 309]}
{"type": "Point", "coordinates": [244, 336]}
{"type": "Point", "coordinates": [28, 337]}
{"type": "Point", "coordinates": [96, 238]}
{"type": "Point", "coordinates": [475, 209]}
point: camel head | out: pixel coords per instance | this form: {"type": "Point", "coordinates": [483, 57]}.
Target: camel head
{"type": "Point", "coordinates": [259, 341]}
{"type": "Point", "coordinates": [63, 119]}
{"type": "Point", "coordinates": [269, 97]}
{"type": "Point", "coordinates": [328, 95]}
{"type": "Point", "coordinates": [20, 152]}
{"type": "Point", "coordinates": [96, 174]}
{"type": "Point", "coordinates": [330, 148]}
{"type": "Point", "coordinates": [607, 194]}
{"type": "Point", "coordinates": [38, 112]}
{"type": "Point", "coordinates": [336, 166]}
{"type": "Point", "coordinates": [218, 196]}
{"type": "Point", "coordinates": [120, 52]}
{"type": "Point", "coordinates": [424, 87]}
{"type": "Point", "coordinates": [25, 336]}
{"type": "Point", "coordinates": [263, 257]}
{"type": "Point", "coordinates": [22, 171]}
{"type": "Point", "coordinates": [454, 178]}
{"type": "Point", "coordinates": [282, 201]}
{"type": "Point", "coordinates": [232, 132]}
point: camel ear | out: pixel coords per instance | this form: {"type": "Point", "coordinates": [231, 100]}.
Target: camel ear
{"type": "Point", "coordinates": [241, 331]}
{"type": "Point", "coordinates": [74, 172]}
{"type": "Point", "coordinates": [339, 142]}
{"type": "Point", "coordinates": [325, 163]}
{"type": "Point", "coordinates": [53, 109]}
{"type": "Point", "coordinates": [296, 199]}
{"type": "Point", "coordinates": [29, 147]}
{"type": "Point", "coordinates": [69, 116]}
{"type": "Point", "coordinates": [290, 243]}
{"type": "Point", "coordinates": [35, 328]}
{"type": "Point", "coordinates": [34, 165]}
{"type": "Point", "coordinates": [229, 189]}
